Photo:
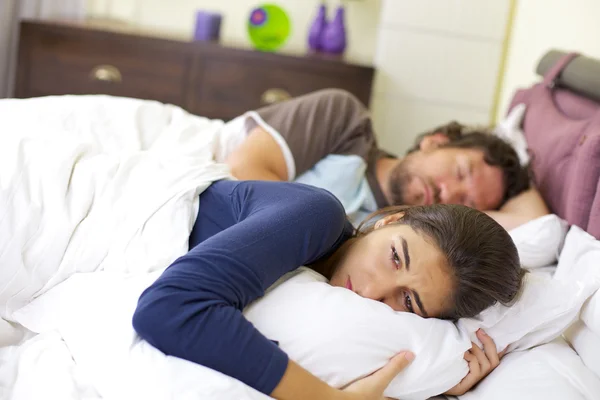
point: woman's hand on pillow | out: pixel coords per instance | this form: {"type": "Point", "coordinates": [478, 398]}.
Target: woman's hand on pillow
{"type": "Point", "coordinates": [481, 363]}
{"type": "Point", "coordinates": [373, 386]}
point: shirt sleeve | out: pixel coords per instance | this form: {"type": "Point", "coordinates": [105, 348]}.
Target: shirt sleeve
{"type": "Point", "coordinates": [330, 121]}
{"type": "Point", "coordinates": [194, 310]}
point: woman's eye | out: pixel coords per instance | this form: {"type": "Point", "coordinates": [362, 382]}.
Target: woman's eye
{"type": "Point", "coordinates": [395, 257]}
{"type": "Point", "coordinates": [408, 303]}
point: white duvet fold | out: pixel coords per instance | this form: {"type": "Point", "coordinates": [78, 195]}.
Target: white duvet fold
{"type": "Point", "coordinates": [91, 183]}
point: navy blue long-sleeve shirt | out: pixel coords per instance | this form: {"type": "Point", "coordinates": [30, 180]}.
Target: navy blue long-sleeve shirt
{"type": "Point", "coordinates": [247, 235]}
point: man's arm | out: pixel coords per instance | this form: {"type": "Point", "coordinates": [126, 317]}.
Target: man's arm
{"type": "Point", "coordinates": [290, 137]}
{"type": "Point", "coordinates": [522, 208]}
{"type": "Point", "coordinates": [259, 157]}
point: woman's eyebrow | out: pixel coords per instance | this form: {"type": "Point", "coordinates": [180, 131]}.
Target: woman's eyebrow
{"type": "Point", "coordinates": [418, 300]}
{"type": "Point", "coordinates": [405, 251]}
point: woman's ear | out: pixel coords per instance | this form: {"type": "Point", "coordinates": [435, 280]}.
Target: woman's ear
{"type": "Point", "coordinates": [388, 220]}
{"type": "Point", "coordinates": [433, 141]}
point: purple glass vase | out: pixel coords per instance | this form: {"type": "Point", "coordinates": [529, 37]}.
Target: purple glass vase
{"type": "Point", "coordinates": [316, 29]}
{"type": "Point", "coordinates": [333, 39]}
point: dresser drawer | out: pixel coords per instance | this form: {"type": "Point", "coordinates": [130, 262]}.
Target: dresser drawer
{"type": "Point", "coordinates": [61, 63]}
{"type": "Point", "coordinates": [209, 79]}
{"type": "Point", "coordinates": [230, 86]}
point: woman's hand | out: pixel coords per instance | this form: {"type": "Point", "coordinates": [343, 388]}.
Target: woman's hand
{"type": "Point", "coordinates": [481, 363]}
{"type": "Point", "coordinates": [373, 386]}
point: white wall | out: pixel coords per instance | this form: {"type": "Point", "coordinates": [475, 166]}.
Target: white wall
{"type": "Point", "coordinates": [540, 25]}
{"type": "Point", "coordinates": [437, 60]}
{"type": "Point", "coordinates": [177, 16]}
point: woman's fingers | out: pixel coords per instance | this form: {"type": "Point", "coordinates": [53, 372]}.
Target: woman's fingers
{"type": "Point", "coordinates": [470, 379]}
{"type": "Point", "coordinates": [503, 352]}
{"type": "Point", "coordinates": [386, 374]}
{"type": "Point", "coordinates": [484, 363]}
{"type": "Point", "coordinates": [481, 363]}
{"type": "Point", "coordinates": [489, 348]}
{"type": "Point", "coordinates": [474, 365]}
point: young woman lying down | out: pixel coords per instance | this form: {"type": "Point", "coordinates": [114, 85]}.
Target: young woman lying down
{"type": "Point", "coordinates": [439, 261]}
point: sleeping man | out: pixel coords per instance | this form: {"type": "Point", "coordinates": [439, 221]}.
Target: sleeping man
{"type": "Point", "coordinates": [326, 139]}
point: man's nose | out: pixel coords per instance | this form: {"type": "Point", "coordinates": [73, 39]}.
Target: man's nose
{"type": "Point", "coordinates": [450, 193]}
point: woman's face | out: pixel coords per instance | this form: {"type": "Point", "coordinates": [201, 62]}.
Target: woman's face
{"type": "Point", "coordinates": [398, 266]}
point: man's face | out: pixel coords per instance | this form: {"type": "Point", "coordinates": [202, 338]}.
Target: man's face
{"type": "Point", "coordinates": [449, 176]}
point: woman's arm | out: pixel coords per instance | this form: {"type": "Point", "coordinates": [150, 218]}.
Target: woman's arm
{"type": "Point", "coordinates": [298, 384]}
{"type": "Point", "coordinates": [194, 310]}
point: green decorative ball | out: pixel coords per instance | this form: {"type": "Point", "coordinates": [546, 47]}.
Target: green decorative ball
{"type": "Point", "coordinates": [269, 27]}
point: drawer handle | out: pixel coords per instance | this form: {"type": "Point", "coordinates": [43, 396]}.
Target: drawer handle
{"type": "Point", "coordinates": [272, 96]}
{"type": "Point", "coordinates": [106, 73]}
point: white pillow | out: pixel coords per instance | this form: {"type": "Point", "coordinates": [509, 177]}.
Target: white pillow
{"type": "Point", "coordinates": [548, 305]}
{"type": "Point", "coordinates": [590, 314]}
{"type": "Point", "coordinates": [545, 308]}
{"type": "Point", "coordinates": [587, 344]}
{"type": "Point", "coordinates": [510, 130]}
{"type": "Point", "coordinates": [340, 336]}
{"type": "Point", "coordinates": [549, 372]}
{"type": "Point", "coordinates": [539, 241]}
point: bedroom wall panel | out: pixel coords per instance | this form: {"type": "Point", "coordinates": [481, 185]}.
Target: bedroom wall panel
{"type": "Point", "coordinates": [437, 68]}
{"type": "Point", "coordinates": [401, 118]}
{"type": "Point", "coordinates": [482, 19]}
{"type": "Point", "coordinates": [436, 61]}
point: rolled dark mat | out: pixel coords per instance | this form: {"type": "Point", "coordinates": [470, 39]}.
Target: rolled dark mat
{"type": "Point", "coordinates": [581, 75]}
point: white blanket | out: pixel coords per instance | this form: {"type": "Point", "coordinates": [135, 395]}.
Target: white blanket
{"type": "Point", "coordinates": [88, 184]}
{"type": "Point", "coordinates": [96, 183]}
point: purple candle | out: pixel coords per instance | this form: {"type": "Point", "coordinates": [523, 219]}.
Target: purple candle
{"type": "Point", "coordinates": [208, 25]}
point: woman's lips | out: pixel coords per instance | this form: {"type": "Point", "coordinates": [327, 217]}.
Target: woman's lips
{"type": "Point", "coordinates": [348, 284]}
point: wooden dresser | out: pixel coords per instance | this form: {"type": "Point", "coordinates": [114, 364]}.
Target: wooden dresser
{"type": "Point", "coordinates": [205, 78]}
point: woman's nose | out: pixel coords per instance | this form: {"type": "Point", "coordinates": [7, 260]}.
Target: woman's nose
{"type": "Point", "coordinates": [379, 290]}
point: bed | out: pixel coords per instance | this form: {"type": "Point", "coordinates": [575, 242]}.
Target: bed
{"type": "Point", "coordinates": [106, 144]}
